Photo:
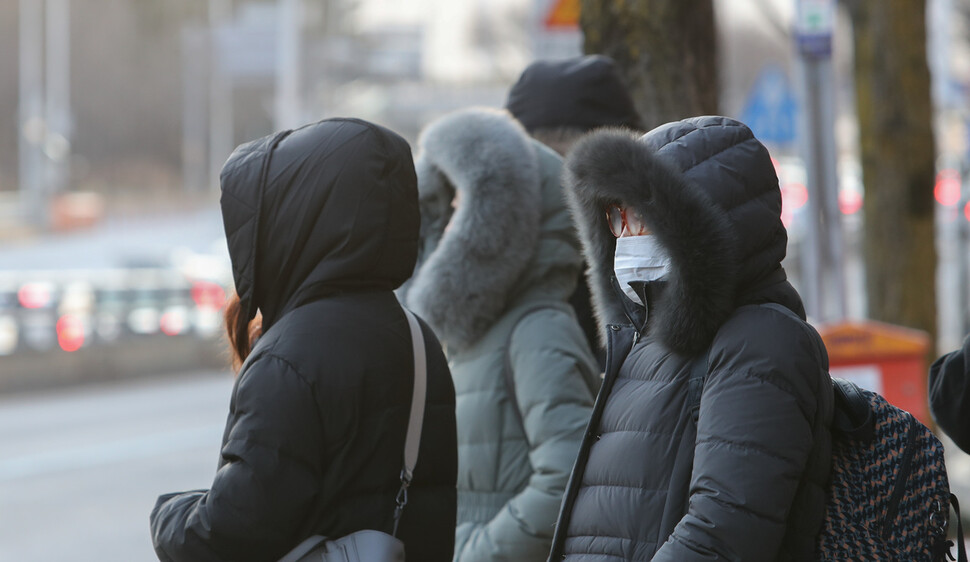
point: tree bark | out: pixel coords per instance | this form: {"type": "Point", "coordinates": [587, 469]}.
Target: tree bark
{"type": "Point", "coordinates": [665, 49]}
{"type": "Point", "coordinates": [892, 83]}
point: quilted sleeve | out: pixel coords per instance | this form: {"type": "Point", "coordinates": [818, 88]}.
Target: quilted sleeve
{"type": "Point", "coordinates": [267, 482]}
{"type": "Point", "coordinates": [553, 371]}
{"type": "Point", "coordinates": [754, 439]}
{"type": "Point", "coordinates": [950, 394]}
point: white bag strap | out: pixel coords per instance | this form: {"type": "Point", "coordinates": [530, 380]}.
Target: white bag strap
{"type": "Point", "coordinates": [303, 549]}
{"type": "Point", "coordinates": [412, 441]}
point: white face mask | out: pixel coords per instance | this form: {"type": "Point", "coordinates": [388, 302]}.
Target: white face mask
{"type": "Point", "coordinates": [639, 258]}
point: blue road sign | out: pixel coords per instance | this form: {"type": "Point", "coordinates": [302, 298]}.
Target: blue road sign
{"type": "Point", "coordinates": [771, 110]}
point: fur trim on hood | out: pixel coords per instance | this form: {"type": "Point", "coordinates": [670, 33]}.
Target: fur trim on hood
{"type": "Point", "coordinates": [467, 274]}
{"type": "Point", "coordinates": [612, 166]}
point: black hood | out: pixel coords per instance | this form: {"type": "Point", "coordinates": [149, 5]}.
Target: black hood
{"type": "Point", "coordinates": [328, 207]}
{"type": "Point", "coordinates": [708, 190]}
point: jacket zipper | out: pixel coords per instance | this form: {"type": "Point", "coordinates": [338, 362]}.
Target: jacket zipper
{"type": "Point", "coordinates": [589, 436]}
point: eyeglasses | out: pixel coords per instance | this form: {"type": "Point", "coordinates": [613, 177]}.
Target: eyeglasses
{"type": "Point", "coordinates": [618, 218]}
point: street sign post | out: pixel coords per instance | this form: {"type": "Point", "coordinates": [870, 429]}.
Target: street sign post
{"type": "Point", "coordinates": [814, 21]}
{"type": "Point", "coordinates": [824, 272]}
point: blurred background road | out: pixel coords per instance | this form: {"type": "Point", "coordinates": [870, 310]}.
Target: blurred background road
{"type": "Point", "coordinates": [81, 467]}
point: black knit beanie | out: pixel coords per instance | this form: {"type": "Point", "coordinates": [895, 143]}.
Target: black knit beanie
{"type": "Point", "coordinates": [583, 92]}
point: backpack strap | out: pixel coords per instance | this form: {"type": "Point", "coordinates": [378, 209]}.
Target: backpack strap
{"type": "Point", "coordinates": [852, 416]}
{"type": "Point", "coordinates": [961, 545]}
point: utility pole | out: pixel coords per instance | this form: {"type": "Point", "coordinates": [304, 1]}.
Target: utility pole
{"type": "Point", "coordinates": [288, 110]}
{"type": "Point", "coordinates": [195, 107]}
{"type": "Point", "coordinates": [825, 277]}
{"type": "Point", "coordinates": [57, 144]}
{"type": "Point", "coordinates": [221, 124]}
{"type": "Point", "coordinates": [32, 128]}
{"type": "Point", "coordinates": [951, 222]}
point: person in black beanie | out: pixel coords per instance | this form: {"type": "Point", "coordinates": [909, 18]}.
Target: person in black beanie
{"type": "Point", "coordinates": [949, 389]}
{"type": "Point", "coordinates": [559, 101]}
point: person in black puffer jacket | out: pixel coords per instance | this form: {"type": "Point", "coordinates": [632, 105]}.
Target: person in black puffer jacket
{"type": "Point", "coordinates": [683, 234]}
{"type": "Point", "coordinates": [949, 392]}
{"type": "Point", "coordinates": [322, 226]}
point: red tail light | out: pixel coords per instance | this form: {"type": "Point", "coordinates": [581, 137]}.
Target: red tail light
{"type": "Point", "coordinates": [207, 294]}
{"type": "Point", "coordinates": [35, 295]}
{"type": "Point", "coordinates": [70, 332]}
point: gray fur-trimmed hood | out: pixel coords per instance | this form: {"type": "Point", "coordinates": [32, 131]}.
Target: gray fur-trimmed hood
{"type": "Point", "coordinates": [707, 189]}
{"type": "Point", "coordinates": [468, 276]}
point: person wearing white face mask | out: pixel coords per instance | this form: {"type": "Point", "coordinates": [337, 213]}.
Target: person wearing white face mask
{"type": "Point", "coordinates": [710, 436]}
{"type": "Point", "coordinates": [639, 256]}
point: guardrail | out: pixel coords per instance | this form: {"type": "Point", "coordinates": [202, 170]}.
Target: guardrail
{"type": "Point", "coordinates": [134, 358]}
{"type": "Point", "coordinates": [59, 327]}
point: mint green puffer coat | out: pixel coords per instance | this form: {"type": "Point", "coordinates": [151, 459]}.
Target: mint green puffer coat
{"type": "Point", "coordinates": [494, 286]}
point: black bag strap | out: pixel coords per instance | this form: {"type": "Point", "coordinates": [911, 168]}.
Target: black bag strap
{"type": "Point", "coordinates": [853, 416]}
{"type": "Point", "coordinates": [961, 545]}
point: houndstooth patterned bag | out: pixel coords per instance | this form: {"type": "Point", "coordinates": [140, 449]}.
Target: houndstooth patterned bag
{"type": "Point", "coordinates": [889, 495]}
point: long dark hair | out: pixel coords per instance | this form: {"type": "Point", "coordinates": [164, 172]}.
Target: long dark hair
{"type": "Point", "coordinates": [240, 343]}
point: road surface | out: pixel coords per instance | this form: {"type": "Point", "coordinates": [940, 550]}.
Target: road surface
{"type": "Point", "coordinates": [80, 468]}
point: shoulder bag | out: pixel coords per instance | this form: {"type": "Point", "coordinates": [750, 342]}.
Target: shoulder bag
{"type": "Point", "coordinates": [369, 545]}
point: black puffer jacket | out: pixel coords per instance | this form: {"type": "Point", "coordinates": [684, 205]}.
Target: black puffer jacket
{"type": "Point", "coordinates": [949, 392]}
{"type": "Point", "coordinates": [748, 482]}
{"type": "Point", "coordinates": [322, 224]}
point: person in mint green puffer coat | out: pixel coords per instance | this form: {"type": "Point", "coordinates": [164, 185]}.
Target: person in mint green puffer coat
{"type": "Point", "coordinates": [499, 259]}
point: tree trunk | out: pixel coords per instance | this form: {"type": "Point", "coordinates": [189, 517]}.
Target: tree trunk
{"type": "Point", "coordinates": [892, 83]}
{"type": "Point", "coordinates": [666, 50]}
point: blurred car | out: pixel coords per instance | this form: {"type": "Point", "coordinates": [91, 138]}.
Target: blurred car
{"type": "Point", "coordinates": [42, 311]}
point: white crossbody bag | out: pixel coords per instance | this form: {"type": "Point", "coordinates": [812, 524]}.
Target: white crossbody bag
{"type": "Point", "coordinates": [369, 545]}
